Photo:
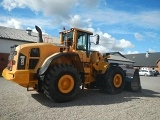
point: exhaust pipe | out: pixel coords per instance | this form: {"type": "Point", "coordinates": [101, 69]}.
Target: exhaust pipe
{"type": "Point", "coordinates": [39, 34]}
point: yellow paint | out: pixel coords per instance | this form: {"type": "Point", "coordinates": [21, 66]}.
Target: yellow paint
{"type": "Point", "coordinates": [66, 84]}
{"type": "Point", "coordinates": [117, 80]}
{"type": "Point", "coordinates": [101, 66]}
{"type": "Point", "coordinates": [19, 76]}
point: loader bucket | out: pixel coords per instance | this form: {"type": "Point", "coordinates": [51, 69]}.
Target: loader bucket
{"type": "Point", "coordinates": [133, 83]}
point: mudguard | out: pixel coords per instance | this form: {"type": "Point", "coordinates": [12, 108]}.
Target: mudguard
{"type": "Point", "coordinates": [48, 60]}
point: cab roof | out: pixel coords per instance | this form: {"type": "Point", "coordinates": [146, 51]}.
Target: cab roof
{"type": "Point", "coordinates": [78, 29]}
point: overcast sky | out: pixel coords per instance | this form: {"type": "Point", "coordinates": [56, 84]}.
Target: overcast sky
{"type": "Point", "coordinates": [126, 26]}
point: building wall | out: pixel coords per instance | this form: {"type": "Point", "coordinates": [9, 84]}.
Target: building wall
{"type": "Point", "coordinates": [6, 44]}
{"type": "Point", "coordinates": [3, 61]}
{"type": "Point", "coordinates": [5, 50]}
{"type": "Point", "coordinates": [158, 66]}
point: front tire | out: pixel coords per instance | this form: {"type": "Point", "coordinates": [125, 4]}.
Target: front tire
{"type": "Point", "coordinates": [114, 80]}
{"type": "Point", "coordinates": [62, 83]}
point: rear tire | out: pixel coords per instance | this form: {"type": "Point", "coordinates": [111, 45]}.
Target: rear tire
{"type": "Point", "coordinates": [114, 80]}
{"type": "Point", "coordinates": [62, 83]}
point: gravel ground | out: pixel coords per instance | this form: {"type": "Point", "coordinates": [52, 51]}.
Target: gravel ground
{"type": "Point", "coordinates": [18, 104]}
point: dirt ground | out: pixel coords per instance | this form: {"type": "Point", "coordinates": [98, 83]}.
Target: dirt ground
{"type": "Point", "coordinates": [18, 104]}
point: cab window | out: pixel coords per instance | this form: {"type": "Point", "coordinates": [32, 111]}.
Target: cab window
{"type": "Point", "coordinates": [82, 41]}
{"type": "Point", "coordinates": [67, 37]}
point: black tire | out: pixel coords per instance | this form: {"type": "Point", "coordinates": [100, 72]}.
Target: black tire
{"type": "Point", "coordinates": [114, 80]}
{"type": "Point", "coordinates": [39, 86]}
{"type": "Point", "coordinates": [61, 83]}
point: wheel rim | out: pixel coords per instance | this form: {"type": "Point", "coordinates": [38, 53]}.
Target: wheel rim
{"type": "Point", "coordinates": [117, 81]}
{"type": "Point", "coordinates": [66, 84]}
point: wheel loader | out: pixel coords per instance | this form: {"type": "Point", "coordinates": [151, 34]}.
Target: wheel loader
{"type": "Point", "coordinates": [60, 70]}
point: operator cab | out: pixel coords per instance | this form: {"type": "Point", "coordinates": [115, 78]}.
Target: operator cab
{"type": "Point", "coordinates": [77, 39]}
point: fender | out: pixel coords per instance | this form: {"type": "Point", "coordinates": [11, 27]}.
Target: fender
{"type": "Point", "coordinates": [113, 64]}
{"type": "Point", "coordinates": [103, 66]}
{"type": "Point", "coordinates": [48, 60]}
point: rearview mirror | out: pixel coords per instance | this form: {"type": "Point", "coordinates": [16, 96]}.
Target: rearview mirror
{"type": "Point", "coordinates": [97, 39]}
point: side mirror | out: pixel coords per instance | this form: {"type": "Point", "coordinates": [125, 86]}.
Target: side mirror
{"type": "Point", "coordinates": [97, 39]}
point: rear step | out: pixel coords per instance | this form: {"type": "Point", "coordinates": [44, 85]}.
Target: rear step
{"type": "Point", "coordinates": [30, 88]}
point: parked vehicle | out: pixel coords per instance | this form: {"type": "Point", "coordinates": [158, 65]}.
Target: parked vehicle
{"type": "Point", "coordinates": [146, 73]}
{"type": "Point", "coordinates": [155, 72]}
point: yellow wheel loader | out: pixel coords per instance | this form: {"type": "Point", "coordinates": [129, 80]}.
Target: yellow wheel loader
{"type": "Point", "coordinates": [58, 70]}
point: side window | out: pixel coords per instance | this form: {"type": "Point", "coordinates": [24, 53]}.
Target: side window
{"type": "Point", "coordinates": [34, 57]}
{"type": "Point", "coordinates": [67, 38]}
{"type": "Point", "coordinates": [82, 41]}
{"type": "Point", "coordinates": [35, 52]}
